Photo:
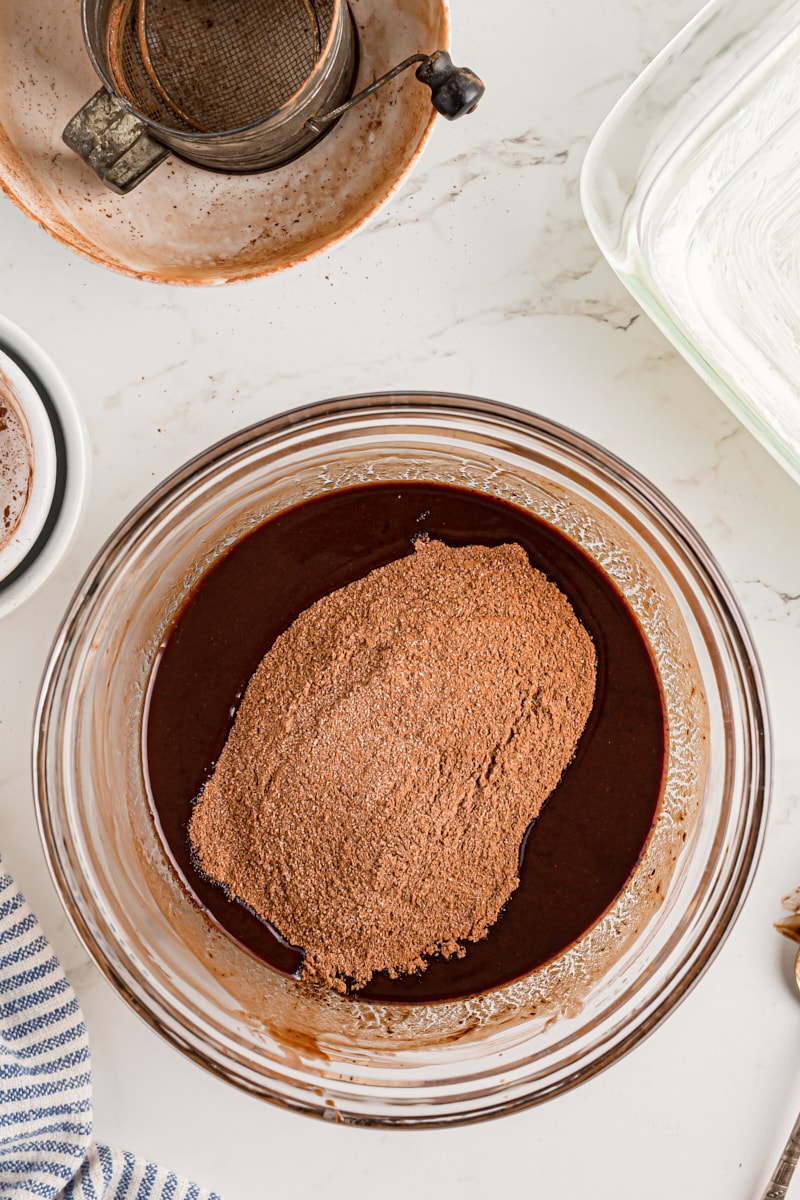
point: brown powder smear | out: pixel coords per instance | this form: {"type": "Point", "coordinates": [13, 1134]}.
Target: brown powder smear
{"type": "Point", "coordinates": [16, 475]}
{"type": "Point", "coordinates": [388, 755]}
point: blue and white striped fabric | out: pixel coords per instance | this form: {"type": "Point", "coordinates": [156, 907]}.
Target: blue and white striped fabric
{"type": "Point", "coordinates": [46, 1148]}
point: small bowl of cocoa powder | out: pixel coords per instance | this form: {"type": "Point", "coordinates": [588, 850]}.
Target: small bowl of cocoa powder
{"type": "Point", "coordinates": [43, 466]}
{"type": "Point", "coordinates": [403, 740]}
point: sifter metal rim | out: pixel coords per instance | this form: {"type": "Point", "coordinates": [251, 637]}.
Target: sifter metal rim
{"type": "Point", "coordinates": [196, 135]}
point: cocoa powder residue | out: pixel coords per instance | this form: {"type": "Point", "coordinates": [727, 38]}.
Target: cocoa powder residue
{"type": "Point", "coordinates": [16, 474]}
{"type": "Point", "coordinates": [388, 755]}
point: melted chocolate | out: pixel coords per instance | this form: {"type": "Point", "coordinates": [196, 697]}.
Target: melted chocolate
{"type": "Point", "coordinates": [576, 857]}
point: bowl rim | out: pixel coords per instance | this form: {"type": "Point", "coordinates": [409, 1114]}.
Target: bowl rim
{"type": "Point", "coordinates": [706, 942]}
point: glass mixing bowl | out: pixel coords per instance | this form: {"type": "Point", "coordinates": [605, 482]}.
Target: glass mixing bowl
{"type": "Point", "coordinates": [389, 1064]}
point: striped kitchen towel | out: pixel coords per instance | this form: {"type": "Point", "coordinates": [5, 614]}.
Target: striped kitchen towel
{"type": "Point", "coordinates": [46, 1147]}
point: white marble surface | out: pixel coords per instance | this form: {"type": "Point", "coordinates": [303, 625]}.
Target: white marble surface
{"type": "Point", "coordinates": [479, 277]}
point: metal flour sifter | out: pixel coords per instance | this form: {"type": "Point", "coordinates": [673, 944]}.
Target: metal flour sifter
{"type": "Point", "coordinates": [231, 85]}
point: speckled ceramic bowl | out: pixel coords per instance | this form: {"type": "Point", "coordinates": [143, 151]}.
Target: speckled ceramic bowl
{"type": "Point", "coordinates": [184, 224]}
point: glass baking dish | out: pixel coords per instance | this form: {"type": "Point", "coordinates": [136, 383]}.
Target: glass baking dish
{"type": "Point", "coordinates": [691, 188]}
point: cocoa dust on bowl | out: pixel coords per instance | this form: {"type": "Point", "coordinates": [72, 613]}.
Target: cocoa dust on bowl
{"type": "Point", "coordinates": [15, 470]}
{"type": "Point", "coordinates": [444, 756]}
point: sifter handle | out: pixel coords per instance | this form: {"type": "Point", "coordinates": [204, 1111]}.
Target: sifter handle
{"type": "Point", "coordinates": [114, 142]}
{"type": "Point", "coordinates": [455, 91]}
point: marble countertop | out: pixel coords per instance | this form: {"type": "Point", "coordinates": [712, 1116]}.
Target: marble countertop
{"type": "Point", "coordinates": [480, 276]}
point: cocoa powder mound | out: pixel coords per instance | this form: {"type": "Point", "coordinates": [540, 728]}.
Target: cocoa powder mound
{"type": "Point", "coordinates": [388, 755]}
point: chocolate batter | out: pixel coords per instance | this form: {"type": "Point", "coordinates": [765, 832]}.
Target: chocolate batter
{"type": "Point", "coordinates": [581, 850]}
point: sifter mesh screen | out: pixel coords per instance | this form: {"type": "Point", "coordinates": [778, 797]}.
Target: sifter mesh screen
{"type": "Point", "coordinates": [214, 65]}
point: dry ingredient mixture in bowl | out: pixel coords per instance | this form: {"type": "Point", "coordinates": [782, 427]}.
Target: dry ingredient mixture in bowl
{"type": "Point", "coordinates": [403, 759]}
{"type": "Point", "coordinates": [388, 756]}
